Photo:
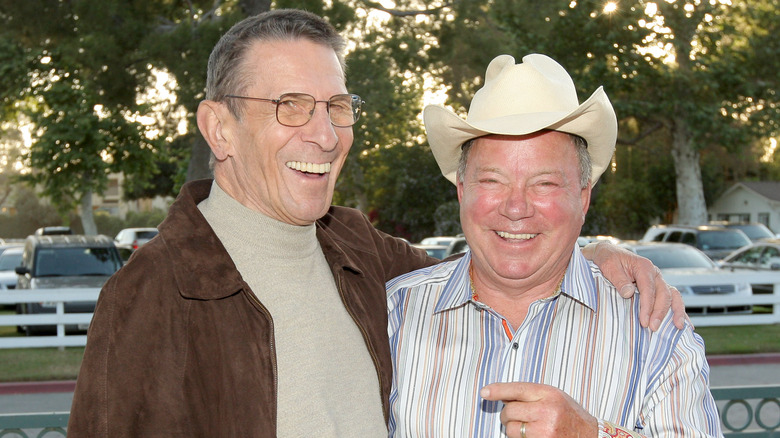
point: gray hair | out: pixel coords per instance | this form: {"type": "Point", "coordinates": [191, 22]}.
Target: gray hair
{"type": "Point", "coordinates": [225, 73]}
{"type": "Point", "coordinates": [577, 141]}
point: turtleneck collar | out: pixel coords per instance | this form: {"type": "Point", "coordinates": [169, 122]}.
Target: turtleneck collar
{"type": "Point", "coordinates": [239, 226]}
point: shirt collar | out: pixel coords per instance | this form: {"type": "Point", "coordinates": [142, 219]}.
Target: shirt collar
{"type": "Point", "coordinates": [578, 283]}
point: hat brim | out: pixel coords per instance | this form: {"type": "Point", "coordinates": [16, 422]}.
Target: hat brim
{"type": "Point", "coordinates": [594, 120]}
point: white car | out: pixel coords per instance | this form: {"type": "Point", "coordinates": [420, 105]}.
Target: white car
{"type": "Point", "coordinates": [693, 273]}
{"type": "Point", "coordinates": [438, 240]}
{"type": "Point", "coordinates": [134, 237]}
{"type": "Point", "coordinates": [9, 260]}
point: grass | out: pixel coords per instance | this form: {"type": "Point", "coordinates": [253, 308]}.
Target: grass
{"type": "Point", "coordinates": [747, 339]}
{"type": "Point", "coordinates": [39, 364]}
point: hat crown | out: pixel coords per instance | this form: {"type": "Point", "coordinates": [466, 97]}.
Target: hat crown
{"type": "Point", "coordinates": [537, 85]}
{"type": "Point", "coordinates": [520, 99]}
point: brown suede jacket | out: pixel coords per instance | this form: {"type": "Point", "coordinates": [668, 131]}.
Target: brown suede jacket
{"type": "Point", "coordinates": [180, 346]}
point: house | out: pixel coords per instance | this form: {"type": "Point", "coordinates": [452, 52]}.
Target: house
{"type": "Point", "coordinates": [749, 201]}
{"type": "Point", "coordinates": [112, 201]}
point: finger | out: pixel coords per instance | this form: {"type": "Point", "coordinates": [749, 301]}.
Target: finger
{"type": "Point", "coordinates": [616, 264]}
{"type": "Point", "coordinates": [678, 307]}
{"type": "Point", "coordinates": [650, 289]}
{"type": "Point", "coordinates": [512, 391]}
{"type": "Point", "coordinates": [663, 302]}
{"type": "Point", "coordinates": [514, 429]}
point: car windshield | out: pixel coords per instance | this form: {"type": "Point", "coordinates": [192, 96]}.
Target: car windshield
{"type": "Point", "coordinates": [76, 261]}
{"type": "Point", "coordinates": [724, 239]}
{"type": "Point", "coordinates": [10, 260]}
{"type": "Point", "coordinates": [677, 257]}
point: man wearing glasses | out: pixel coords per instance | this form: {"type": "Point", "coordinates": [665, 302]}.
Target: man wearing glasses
{"type": "Point", "coordinates": [260, 309]}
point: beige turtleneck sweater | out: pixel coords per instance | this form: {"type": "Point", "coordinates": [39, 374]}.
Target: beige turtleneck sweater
{"type": "Point", "coordinates": [327, 383]}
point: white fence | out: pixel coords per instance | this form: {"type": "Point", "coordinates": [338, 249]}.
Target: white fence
{"type": "Point", "coordinates": [59, 297]}
{"type": "Point", "coordinates": [715, 300]}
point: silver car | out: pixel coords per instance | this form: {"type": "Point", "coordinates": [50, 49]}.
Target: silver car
{"type": "Point", "coordinates": [693, 273]}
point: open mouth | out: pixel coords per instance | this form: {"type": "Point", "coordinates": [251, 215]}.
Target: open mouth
{"type": "Point", "coordinates": [510, 236]}
{"type": "Point", "coordinates": [309, 167]}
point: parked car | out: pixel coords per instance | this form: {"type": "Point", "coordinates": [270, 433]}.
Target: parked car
{"type": "Point", "coordinates": [763, 255]}
{"type": "Point", "coordinates": [135, 237]}
{"type": "Point", "coordinates": [715, 241]}
{"type": "Point", "coordinates": [9, 260]}
{"type": "Point", "coordinates": [5, 244]}
{"type": "Point", "coordinates": [52, 231]}
{"type": "Point", "coordinates": [693, 273]}
{"type": "Point", "coordinates": [64, 261]}
{"type": "Point", "coordinates": [584, 240]}
{"type": "Point", "coordinates": [457, 246]}
{"type": "Point", "coordinates": [754, 231]}
{"type": "Point", "coordinates": [125, 251]}
{"type": "Point", "coordinates": [438, 240]}
{"type": "Point", "coordinates": [437, 251]}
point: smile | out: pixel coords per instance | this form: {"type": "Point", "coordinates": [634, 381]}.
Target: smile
{"type": "Point", "coordinates": [309, 167]}
{"type": "Point", "coordinates": [511, 236]}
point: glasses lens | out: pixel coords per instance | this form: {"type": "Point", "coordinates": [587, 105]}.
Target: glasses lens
{"type": "Point", "coordinates": [294, 109]}
{"type": "Point", "coordinates": [344, 109]}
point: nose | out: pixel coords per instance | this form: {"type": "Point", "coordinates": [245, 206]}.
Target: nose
{"type": "Point", "coordinates": [320, 130]}
{"type": "Point", "coordinates": [517, 204]}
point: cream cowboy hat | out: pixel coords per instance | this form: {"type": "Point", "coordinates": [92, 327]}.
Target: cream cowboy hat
{"type": "Point", "coordinates": [519, 99]}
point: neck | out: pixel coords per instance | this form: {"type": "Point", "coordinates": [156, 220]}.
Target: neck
{"type": "Point", "coordinates": [511, 299]}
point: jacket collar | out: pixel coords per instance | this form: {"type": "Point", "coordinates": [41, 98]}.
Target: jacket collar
{"type": "Point", "coordinates": [204, 270]}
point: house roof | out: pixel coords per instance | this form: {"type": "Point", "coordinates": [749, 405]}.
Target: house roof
{"type": "Point", "coordinates": [767, 189]}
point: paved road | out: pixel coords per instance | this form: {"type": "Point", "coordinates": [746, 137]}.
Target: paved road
{"type": "Point", "coordinates": [57, 396]}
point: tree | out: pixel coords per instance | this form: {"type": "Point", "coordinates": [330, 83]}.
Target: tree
{"type": "Point", "coordinates": [77, 83]}
{"type": "Point", "coordinates": [703, 73]}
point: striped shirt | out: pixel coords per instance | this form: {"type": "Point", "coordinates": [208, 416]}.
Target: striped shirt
{"type": "Point", "coordinates": [585, 340]}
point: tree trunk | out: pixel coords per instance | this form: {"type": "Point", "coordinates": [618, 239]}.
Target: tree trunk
{"type": "Point", "coordinates": [198, 167]}
{"type": "Point", "coordinates": [691, 207]}
{"type": "Point", "coordinates": [87, 218]}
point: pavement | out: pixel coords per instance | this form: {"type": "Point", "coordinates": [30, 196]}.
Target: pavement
{"type": "Point", "coordinates": [57, 396]}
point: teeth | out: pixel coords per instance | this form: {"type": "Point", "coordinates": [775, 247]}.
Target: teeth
{"type": "Point", "coordinates": [309, 167]}
{"type": "Point", "coordinates": [506, 235]}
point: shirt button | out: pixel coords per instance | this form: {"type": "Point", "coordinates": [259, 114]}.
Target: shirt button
{"type": "Point", "coordinates": [515, 346]}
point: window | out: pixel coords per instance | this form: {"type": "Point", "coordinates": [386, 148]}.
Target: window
{"type": "Point", "coordinates": [674, 236]}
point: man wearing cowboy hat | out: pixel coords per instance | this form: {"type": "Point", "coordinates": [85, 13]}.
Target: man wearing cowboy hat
{"type": "Point", "coordinates": [523, 306]}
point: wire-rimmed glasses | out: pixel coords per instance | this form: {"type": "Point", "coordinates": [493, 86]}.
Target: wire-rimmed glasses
{"type": "Point", "coordinates": [296, 109]}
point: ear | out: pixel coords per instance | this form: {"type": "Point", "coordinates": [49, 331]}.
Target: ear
{"type": "Point", "coordinates": [211, 118]}
{"type": "Point", "coordinates": [459, 187]}
{"type": "Point", "coordinates": [585, 197]}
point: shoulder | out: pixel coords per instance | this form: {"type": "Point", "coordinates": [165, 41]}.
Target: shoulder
{"type": "Point", "coordinates": [428, 284]}
{"type": "Point", "coordinates": [435, 274]}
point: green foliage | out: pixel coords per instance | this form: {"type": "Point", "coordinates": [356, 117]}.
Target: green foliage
{"type": "Point", "coordinates": [111, 225]}
{"type": "Point", "coordinates": [721, 91]}
{"type": "Point", "coordinates": [30, 215]}
{"type": "Point", "coordinates": [720, 94]}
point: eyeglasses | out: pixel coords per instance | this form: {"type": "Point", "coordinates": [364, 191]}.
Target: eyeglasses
{"type": "Point", "coordinates": [296, 109]}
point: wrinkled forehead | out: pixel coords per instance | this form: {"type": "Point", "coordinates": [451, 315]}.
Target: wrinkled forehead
{"type": "Point", "coordinates": [290, 63]}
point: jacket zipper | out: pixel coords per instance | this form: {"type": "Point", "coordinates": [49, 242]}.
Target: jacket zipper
{"type": "Point", "coordinates": [370, 350]}
{"type": "Point", "coordinates": [263, 309]}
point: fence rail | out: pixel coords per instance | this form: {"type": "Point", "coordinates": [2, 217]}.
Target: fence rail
{"type": "Point", "coordinates": [749, 411]}
{"type": "Point", "coordinates": [58, 297]}
{"type": "Point", "coordinates": [745, 412]}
